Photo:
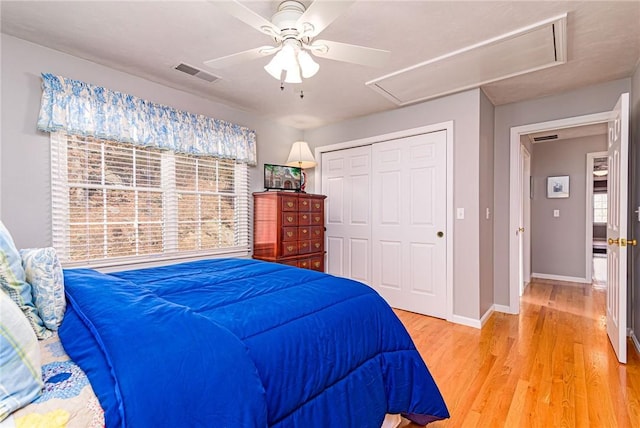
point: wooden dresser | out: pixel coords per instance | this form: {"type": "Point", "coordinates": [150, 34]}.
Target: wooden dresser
{"type": "Point", "coordinates": [289, 228]}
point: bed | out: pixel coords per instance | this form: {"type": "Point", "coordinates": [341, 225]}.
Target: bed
{"type": "Point", "coordinates": [67, 399]}
{"type": "Point", "coordinates": [243, 343]}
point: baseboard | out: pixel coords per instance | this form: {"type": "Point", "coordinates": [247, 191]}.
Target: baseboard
{"type": "Point", "coordinates": [469, 322]}
{"type": "Point", "coordinates": [636, 343]}
{"type": "Point", "coordinates": [485, 317]}
{"type": "Point", "coordinates": [561, 278]}
{"type": "Point", "coordinates": [503, 308]}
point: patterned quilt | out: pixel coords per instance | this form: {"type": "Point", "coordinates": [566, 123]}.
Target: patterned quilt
{"type": "Point", "coordinates": [67, 401]}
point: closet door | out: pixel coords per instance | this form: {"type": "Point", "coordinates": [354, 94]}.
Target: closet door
{"type": "Point", "coordinates": [346, 180]}
{"type": "Point", "coordinates": [409, 221]}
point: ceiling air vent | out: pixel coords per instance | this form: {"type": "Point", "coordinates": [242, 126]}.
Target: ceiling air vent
{"type": "Point", "coordinates": [531, 48]}
{"type": "Point", "coordinates": [545, 138]}
{"type": "Point", "coordinates": [192, 71]}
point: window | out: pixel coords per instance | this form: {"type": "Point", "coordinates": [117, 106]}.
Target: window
{"type": "Point", "coordinates": [599, 207]}
{"type": "Point", "coordinates": [116, 202]}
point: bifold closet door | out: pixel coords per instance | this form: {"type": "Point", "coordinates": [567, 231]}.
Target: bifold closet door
{"type": "Point", "coordinates": [408, 222]}
{"type": "Point", "coordinates": [346, 180]}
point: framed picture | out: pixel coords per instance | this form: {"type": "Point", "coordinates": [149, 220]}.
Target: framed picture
{"type": "Point", "coordinates": [558, 186]}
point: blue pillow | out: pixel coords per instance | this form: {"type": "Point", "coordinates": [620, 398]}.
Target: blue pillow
{"type": "Point", "coordinates": [43, 271]}
{"type": "Point", "coordinates": [21, 380]}
{"type": "Point", "coordinates": [12, 282]}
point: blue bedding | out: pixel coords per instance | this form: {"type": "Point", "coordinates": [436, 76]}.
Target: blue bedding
{"type": "Point", "coordinates": [242, 343]}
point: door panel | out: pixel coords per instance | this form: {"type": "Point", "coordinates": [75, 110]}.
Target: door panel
{"type": "Point", "coordinates": [618, 157]}
{"type": "Point", "coordinates": [408, 211]}
{"type": "Point", "coordinates": [346, 182]}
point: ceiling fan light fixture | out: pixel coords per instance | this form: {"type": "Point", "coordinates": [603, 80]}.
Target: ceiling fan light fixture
{"type": "Point", "coordinates": [308, 66]}
{"type": "Point", "coordinates": [274, 68]}
{"type": "Point", "coordinates": [293, 74]}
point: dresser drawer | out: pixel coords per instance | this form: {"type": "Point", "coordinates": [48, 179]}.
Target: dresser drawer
{"type": "Point", "coordinates": [289, 248]}
{"type": "Point", "coordinates": [317, 263]}
{"type": "Point", "coordinates": [304, 263]}
{"type": "Point", "coordinates": [304, 204]}
{"type": "Point", "coordinates": [304, 247]}
{"type": "Point", "coordinates": [304, 233]}
{"type": "Point", "coordinates": [317, 206]}
{"type": "Point", "coordinates": [305, 218]}
{"type": "Point", "coordinates": [289, 219]}
{"type": "Point", "coordinates": [317, 232]}
{"type": "Point", "coordinates": [289, 203]}
{"type": "Point", "coordinates": [290, 234]}
{"type": "Point", "coordinates": [317, 219]}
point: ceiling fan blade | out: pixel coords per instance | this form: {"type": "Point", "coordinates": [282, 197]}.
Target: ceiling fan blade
{"type": "Point", "coordinates": [236, 58]}
{"type": "Point", "coordinates": [321, 13]}
{"type": "Point", "coordinates": [350, 53]}
{"type": "Point", "coordinates": [246, 15]}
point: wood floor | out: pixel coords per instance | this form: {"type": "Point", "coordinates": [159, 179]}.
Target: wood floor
{"type": "Point", "coordinates": [551, 366]}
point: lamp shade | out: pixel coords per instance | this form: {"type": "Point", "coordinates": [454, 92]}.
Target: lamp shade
{"type": "Point", "coordinates": [301, 156]}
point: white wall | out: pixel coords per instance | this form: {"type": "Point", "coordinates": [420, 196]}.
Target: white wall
{"type": "Point", "coordinates": [464, 110]}
{"type": "Point", "coordinates": [24, 165]}
{"type": "Point", "coordinates": [486, 202]}
{"type": "Point", "coordinates": [593, 99]}
{"type": "Point", "coordinates": [558, 243]}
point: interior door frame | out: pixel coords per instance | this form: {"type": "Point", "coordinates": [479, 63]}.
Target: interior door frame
{"type": "Point", "coordinates": [442, 126]}
{"type": "Point", "coordinates": [589, 210]}
{"type": "Point", "coordinates": [514, 192]}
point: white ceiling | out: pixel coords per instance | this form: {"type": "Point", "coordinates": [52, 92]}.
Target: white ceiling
{"type": "Point", "coordinates": [149, 38]}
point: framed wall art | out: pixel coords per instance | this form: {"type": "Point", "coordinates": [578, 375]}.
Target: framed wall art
{"type": "Point", "coordinates": [558, 186]}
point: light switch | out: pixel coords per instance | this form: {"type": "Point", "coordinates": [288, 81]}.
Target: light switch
{"type": "Point", "coordinates": [460, 214]}
{"type": "Point", "coordinates": [556, 213]}
{"type": "Point", "coordinates": [488, 214]}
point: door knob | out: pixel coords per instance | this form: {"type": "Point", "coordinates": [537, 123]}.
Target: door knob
{"type": "Point", "coordinates": [625, 242]}
{"type": "Point", "coordinates": [612, 241]}
{"type": "Point", "coordinates": [440, 234]}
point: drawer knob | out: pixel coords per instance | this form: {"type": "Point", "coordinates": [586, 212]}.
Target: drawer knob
{"type": "Point", "coordinates": [290, 219]}
{"type": "Point", "coordinates": [290, 204]}
{"type": "Point", "coordinates": [290, 248]}
{"type": "Point", "coordinates": [289, 234]}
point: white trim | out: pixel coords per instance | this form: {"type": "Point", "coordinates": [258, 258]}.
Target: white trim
{"type": "Point", "coordinates": [588, 254]}
{"type": "Point", "coordinates": [514, 193]}
{"type": "Point", "coordinates": [560, 278]}
{"type": "Point", "coordinates": [469, 322]}
{"type": "Point", "coordinates": [484, 318]}
{"type": "Point", "coordinates": [636, 343]}
{"type": "Point", "coordinates": [446, 126]}
{"type": "Point", "coordinates": [502, 308]}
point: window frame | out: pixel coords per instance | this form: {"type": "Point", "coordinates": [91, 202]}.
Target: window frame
{"type": "Point", "coordinates": [60, 215]}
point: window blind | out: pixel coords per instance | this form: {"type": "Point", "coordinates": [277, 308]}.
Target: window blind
{"type": "Point", "coordinates": [116, 202]}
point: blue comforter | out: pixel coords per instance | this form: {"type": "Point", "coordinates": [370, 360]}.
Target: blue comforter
{"type": "Point", "coordinates": [242, 343]}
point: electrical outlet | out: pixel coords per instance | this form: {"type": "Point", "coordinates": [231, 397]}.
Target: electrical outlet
{"type": "Point", "coordinates": [460, 214]}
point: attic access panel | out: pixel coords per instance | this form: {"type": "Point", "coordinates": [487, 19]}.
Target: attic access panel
{"type": "Point", "coordinates": [527, 49]}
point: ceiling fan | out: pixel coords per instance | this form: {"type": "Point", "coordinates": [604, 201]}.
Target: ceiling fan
{"type": "Point", "coordinates": [294, 28]}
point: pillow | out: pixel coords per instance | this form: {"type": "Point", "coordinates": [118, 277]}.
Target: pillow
{"type": "Point", "coordinates": [12, 282]}
{"type": "Point", "coordinates": [21, 380]}
{"type": "Point", "coordinates": [43, 271]}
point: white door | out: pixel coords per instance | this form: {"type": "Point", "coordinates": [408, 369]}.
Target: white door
{"type": "Point", "coordinates": [409, 221]}
{"type": "Point", "coordinates": [346, 182]}
{"type": "Point", "coordinates": [525, 219]}
{"type": "Point", "coordinates": [618, 154]}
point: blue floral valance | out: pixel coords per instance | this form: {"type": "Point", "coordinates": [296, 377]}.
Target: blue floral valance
{"type": "Point", "coordinates": [79, 108]}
